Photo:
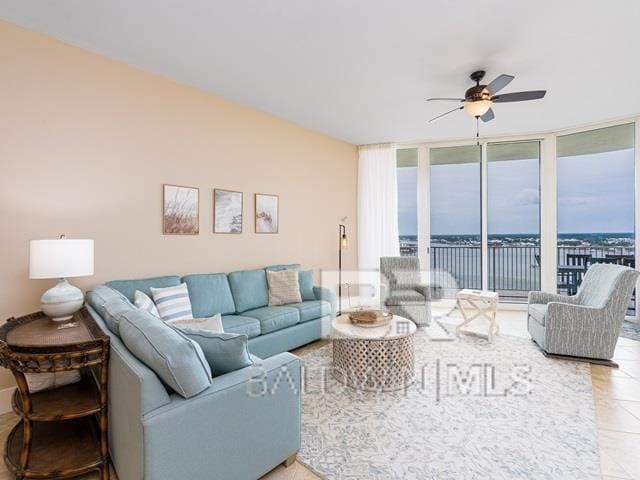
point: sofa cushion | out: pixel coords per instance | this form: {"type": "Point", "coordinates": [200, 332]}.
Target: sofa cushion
{"type": "Point", "coordinates": [110, 305]}
{"type": "Point", "coordinates": [538, 312]}
{"type": "Point", "coordinates": [112, 311]}
{"type": "Point", "coordinates": [305, 279]}
{"type": "Point", "coordinates": [239, 324]}
{"type": "Point", "coordinates": [312, 309]}
{"type": "Point", "coordinates": [225, 352]}
{"type": "Point", "coordinates": [176, 359]}
{"type": "Point", "coordinates": [285, 266]}
{"type": "Point", "coordinates": [128, 287]}
{"type": "Point", "coordinates": [403, 297]}
{"type": "Point", "coordinates": [210, 294]}
{"type": "Point", "coordinates": [274, 318]}
{"type": "Point", "coordinates": [249, 289]}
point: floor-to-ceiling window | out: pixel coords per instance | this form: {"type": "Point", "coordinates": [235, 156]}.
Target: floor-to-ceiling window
{"type": "Point", "coordinates": [513, 218]}
{"type": "Point", "coordinates": [407, 176]}
{"type": "Point", "coordinates": [595, 176]}
{"type": "Point", "coordinates": [455, 217]}
{"type": "Point", "coordinates": [594, 173]}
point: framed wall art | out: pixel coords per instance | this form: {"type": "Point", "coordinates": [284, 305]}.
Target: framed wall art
{"type": "Point", "coordinates": [227, 211]}
{"type": "Point", "coordinates": [267, 214]}
{"type": "Point", "coordinates": [180, 214]}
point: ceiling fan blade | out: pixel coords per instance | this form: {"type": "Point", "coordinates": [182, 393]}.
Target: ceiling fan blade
{"type": "Point", "coordinates": [519, 96]}
{"type": "Point", "coordinates": [499, 83]}
{"type": "Point", "coordinates": [446, 113]}
{"type": "Point", "coordinates": [446, 99]}
{"type": "Point", "coordinates": [488, 116]}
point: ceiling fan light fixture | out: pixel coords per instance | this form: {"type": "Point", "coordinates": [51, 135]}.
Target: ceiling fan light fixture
{"type": "Point", "coordinates": [478, 107]}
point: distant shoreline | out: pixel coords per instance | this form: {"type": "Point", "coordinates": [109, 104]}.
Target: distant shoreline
{"type": "Point", "coordinates": [599, 239]}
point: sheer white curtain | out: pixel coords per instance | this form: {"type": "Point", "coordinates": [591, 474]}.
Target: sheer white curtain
{"type": "Point", "coordinates": [377, 205]}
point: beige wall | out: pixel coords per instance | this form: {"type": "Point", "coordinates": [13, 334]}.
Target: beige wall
{"type": "Point", "coordinates": [86, 144]}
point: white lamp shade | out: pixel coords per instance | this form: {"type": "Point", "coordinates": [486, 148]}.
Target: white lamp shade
{"type": "Point", "coordinates": [61, 258]}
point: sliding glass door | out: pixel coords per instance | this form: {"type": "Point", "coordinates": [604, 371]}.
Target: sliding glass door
{"type": "Point", "coordinates": [513, 217]}
{"type": "Point", "coordinates": [455, 217]}
{"type": "Point", "coordinates": [596, 199]}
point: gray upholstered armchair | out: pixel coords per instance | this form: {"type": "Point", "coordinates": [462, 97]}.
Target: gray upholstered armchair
{"type": "Point", "coordinates": [585, 325]}
{"type": "Point", "coordinates": [405, 295]}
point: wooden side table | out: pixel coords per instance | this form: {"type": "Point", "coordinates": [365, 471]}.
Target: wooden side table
{"type": "Point", "coordinates": [482, 304]}
{"type": "Point", "coordinates": [62, 432]}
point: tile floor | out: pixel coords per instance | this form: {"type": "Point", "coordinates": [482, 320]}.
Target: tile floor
{"type": "Point", "coordinates": [616, 396]}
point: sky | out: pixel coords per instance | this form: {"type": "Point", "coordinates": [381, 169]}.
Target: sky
{"type": "Point", "coordinates": [595, 195]}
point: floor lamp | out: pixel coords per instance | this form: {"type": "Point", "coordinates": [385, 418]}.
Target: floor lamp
{"type": "Point", "coordinates": [342, 245]}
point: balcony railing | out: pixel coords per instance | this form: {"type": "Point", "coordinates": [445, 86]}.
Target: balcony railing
{"type": "Point", "coordinates": [515, 270]}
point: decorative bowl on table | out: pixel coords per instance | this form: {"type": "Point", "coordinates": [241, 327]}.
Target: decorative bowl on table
{"type": "Point", "coordinates": [370, 318]}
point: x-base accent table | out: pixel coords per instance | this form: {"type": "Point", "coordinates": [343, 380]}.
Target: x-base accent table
{"type": "Point", "coordinates": [479, 304]}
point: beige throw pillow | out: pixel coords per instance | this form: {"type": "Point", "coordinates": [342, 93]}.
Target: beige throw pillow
{"type": "Point", "coordinates": [213, 324]}
{"type": "Point", "coordinates": [284, 287]}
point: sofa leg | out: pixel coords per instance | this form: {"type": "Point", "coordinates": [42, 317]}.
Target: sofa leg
{"type": "Point", "coordinates": [290, 460]}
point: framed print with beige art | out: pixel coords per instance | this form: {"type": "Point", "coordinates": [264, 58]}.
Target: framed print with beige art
{"type": "Point", "coordinates": [227, 211]}
{"type": "Point", "coordinates": [267, 215]}
{"type": "Point", "coordinates": [180, 210]}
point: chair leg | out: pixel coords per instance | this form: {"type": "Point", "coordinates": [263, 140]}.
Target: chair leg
{"type": "Point", "coordinates": [290, 460]}
{"type": "Point", "coordinates": [595, 361]}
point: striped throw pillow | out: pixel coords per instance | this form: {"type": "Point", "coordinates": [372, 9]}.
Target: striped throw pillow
{"type": "Point", "coordinates": [173, 302]}
{"type": "Point", "coordinates": [143, 302]}
{"type": "Point", "coordinates": [284, 287]}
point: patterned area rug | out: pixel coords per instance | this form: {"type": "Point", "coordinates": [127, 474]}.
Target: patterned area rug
{"type": "Point", "coordinates": [476, 411]}
{"type": "Point", "coordinates": [630, 330]}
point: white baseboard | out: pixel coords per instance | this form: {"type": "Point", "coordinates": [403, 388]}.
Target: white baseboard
{"type": "Point", "coordinates": [5, 399]}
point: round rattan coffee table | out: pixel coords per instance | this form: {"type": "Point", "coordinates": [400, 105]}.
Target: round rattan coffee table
{"type": "Point", "coordinates": [374, 358]}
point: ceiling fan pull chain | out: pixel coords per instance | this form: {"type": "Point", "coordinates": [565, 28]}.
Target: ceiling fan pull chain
{"type": "Point", "coordinates": [478, 131]}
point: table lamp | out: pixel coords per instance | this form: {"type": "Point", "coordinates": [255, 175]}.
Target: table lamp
{"type": "Point", "coordinates": [61, 258]}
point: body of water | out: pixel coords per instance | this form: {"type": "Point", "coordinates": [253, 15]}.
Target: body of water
{"type": "Point", "coordinates": [514, 259]}
{"type": "Point", "coordinates": [582, 240]}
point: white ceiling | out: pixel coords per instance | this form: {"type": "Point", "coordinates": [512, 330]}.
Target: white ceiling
{"type": "Point", "coordinates": [359, 70]}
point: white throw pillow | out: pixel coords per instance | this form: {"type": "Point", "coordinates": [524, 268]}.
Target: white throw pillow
{"type": "Point", "coordinates": [284, 287]}
{"type": "Point", "coordinates": [173, 302]}
{"type": "Point", "coordinates": [211, 324]}
{"type": "Point", "coordinates": [143, 302]}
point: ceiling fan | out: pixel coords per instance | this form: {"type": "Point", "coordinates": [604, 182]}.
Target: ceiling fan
{"type": "Point", "coordinates": [479, 99]}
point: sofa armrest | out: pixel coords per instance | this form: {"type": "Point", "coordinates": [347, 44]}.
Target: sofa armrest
{"type": "Point", "coordinates": [566, 316]}
{"type": "Point", "coordinates": [545, 297]}
{"type": "Point", "coordinates": [242, 426]}
{"type": "Point", "coordinates": [280, 362]}
{"type": "Point", "coordinates": [133, 391]}
{"type": "Point", "coordinates": [322, 293]}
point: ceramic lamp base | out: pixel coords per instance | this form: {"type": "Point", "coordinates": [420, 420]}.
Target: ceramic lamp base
{"type": "Point", "coordinates": [62, 301]}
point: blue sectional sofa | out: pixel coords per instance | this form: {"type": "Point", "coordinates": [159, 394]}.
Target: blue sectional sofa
{"type": "Point", "coordinates": [224, 432]}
